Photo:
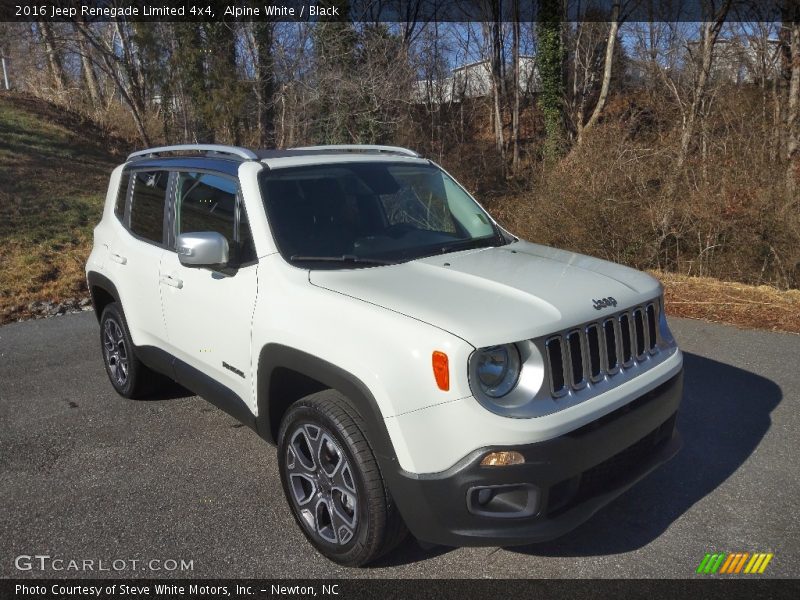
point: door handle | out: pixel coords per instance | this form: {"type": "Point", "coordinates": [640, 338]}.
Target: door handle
{"type": "Point", "coordinates": [118, 258]}
{"type": "Point", "coordinates": [173, 281]}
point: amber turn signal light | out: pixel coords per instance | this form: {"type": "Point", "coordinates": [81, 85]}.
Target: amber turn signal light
{"type": "Point", "coordinates": [441, 370]}
{"type": "Point", "coordinates": [502, 459]}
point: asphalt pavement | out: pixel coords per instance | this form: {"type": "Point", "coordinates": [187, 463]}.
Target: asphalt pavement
{"type": "Point", "coordinates": [88, 475]}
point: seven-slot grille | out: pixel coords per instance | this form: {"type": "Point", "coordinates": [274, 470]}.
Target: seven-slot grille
{"type": "Point", "coordinates": [585, 355]}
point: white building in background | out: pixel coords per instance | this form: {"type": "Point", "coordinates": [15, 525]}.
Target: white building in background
{"type": "Point", "coordinates": [473, 80]}
{"type": "Point", "coordinates": [743, 61]}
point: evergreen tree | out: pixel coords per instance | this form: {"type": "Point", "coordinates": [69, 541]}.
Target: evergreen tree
{"type": "Point", "coordinates": [551, 72]}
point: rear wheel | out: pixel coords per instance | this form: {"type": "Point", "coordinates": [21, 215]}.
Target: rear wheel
{"type": "Point", "coordinates": [129, 376]}
{"type": "Point", "coordinates": [333, 483]}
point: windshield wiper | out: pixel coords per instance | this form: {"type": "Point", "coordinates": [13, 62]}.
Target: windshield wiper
{"type": "Point", "coordinates": [472, 243]}
{"type": "Point", "coordinates": [344, 258]}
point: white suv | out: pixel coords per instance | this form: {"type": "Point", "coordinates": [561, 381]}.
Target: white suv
{"type": "Point", "coordinates": [418, 367]}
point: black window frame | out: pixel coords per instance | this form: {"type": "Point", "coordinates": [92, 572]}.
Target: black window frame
{"type": "Point", "coordinates": [125, 177]}
{"type": "Point", "coordinates": [126, 221]}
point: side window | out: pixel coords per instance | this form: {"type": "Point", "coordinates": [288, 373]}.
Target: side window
{"type": "Point", "coordinates": [147, 205]}
{"type": "Point", "coordinates": [208, 202]}
{"type": "Point", "coordinates": [122, 195]}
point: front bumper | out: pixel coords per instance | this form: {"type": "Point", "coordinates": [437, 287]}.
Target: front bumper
{"type": "Point", "coordinates": [562, 483]}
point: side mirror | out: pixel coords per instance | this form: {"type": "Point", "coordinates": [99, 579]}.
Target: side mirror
{"type": "Point", "coordinates": [203, 249]}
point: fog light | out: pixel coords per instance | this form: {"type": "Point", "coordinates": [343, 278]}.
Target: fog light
{"type": "Point", "coordinates": [484, 496]}
{"type": "Point", "coordinates": [502, 459]}
{"type": "Point", "coordinates": [505, 501]}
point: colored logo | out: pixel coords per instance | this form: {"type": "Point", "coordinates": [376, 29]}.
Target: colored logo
{"type": "Point", "coordinates": [734, 563]}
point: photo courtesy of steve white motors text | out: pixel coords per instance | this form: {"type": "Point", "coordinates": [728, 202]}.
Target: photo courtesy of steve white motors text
{"type": "Point", "coordinates": [166, 589]}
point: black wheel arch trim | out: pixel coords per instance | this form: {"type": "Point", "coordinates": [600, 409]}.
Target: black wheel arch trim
{"type": "Point", "coordinates": [275, 356]}
{"type": "Point", "coordinates": [97, 280]}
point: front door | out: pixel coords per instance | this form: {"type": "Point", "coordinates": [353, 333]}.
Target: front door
{"type": "Point", "coordinates": [209, 312]}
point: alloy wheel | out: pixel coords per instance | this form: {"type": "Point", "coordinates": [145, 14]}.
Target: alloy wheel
{"type": "Point", "coordinates": [321, 483]}
{"type": "Point", "coordinates": [116, 353]}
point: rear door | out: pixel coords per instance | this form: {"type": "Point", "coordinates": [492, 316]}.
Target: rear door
{"type": "Point", "coordinates": [134, 255]}
{"type": "Point", "coordinates": [209, 312]}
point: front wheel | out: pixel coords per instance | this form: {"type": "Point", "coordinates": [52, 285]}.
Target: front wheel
{"type": "Point", "coordinates": [333, 483]}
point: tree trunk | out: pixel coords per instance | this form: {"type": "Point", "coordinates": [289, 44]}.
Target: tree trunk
{"type": "Point", "coordinates": [265, 82]}
{"type": "Point", "coordinates": [516, 83]}
{"type": "Point", "coordinates": [609, 63]}
{"type": "Point", "coordinates": [792, 106]}
{"type": "Point", "coordinates": [711, 31]}
{"type": "Point", "coordinates": [495, 31]}
{"type": "Point", "coordinates": [54, 63]}
{"type": "Point", "coordinates": [87, 70]}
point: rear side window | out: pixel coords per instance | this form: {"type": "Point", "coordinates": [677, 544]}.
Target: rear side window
{"type": "Point", "coordinates": [147, 205]}
{"type": "Point", "coordinates": [122, 195]}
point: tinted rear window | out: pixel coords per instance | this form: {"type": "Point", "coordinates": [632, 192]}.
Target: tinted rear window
{"type": "Point", "coordinates": [147, 205]}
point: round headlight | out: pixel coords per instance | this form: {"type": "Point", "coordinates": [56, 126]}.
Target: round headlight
{"type": "Point", "coordinates": [497, 369]}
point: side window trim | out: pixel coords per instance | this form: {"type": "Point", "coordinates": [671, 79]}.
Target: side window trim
{"type": "Point", "coordinates": [125, 177]}
{"type": "Point", "coordinates": [240, 210]}
{"type": "Point", "coordinates": [172, 202]}
{"type": "Point", "coordinates": [170, 213]}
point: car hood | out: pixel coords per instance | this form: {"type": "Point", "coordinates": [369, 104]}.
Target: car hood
{"type": "Point", "coordinates": [496, 295]}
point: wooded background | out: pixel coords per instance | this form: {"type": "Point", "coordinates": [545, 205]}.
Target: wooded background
{"type": "Point", "coordinates": [665, 145]}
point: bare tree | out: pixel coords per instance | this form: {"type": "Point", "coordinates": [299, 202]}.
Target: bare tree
{"type": "Point", "coordinates": [53, 53]}
{"type": "Point", "coordinates": [120, 69]}
{"type": "Point", "coordinates": [493, 33]}
{"type": "Point", "coordinates": [710, 33]}
{"type": "Point", "coordinates": [792, 23]}
{"type": "Point", "coordinates": [608, 64]}
{"type": "Point", "coordinates": [87, 71]}
{"type": "Point", "coordinates": [515, 33]}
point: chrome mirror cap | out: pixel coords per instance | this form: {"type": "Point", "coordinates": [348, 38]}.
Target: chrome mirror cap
{"type": "Point", "coordinates": [203, 249]}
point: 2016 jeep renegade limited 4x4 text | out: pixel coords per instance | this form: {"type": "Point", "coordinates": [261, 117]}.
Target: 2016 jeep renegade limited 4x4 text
{"type": "Point", "coordinates": [418, 367]}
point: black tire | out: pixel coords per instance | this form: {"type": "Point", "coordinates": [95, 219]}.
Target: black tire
{"type": "Point", "coordinates": [129, 376]}
{"type": "Point", "coordinates": [362, 521]}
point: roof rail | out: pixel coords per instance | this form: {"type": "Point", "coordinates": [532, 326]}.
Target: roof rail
{"type": "Point", "coordinates": [362, 148]}
{"type": "Point", "coordinates": [216, 148]}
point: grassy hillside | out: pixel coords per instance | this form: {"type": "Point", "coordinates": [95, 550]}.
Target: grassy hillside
{"type": "Point", "coordinates": [54, 169]}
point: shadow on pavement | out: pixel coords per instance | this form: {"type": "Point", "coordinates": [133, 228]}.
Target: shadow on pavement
{"type": "Point", "coordinates": [724, 415]}
{"type": "Point", "coordinates": [166, 389]}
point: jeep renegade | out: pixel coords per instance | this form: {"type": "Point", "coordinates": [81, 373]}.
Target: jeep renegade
{"type": "Point", "coordinates": [418, 367]}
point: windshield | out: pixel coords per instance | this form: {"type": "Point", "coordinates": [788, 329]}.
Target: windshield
{"type": "Point", "coordinates": [365, 214]}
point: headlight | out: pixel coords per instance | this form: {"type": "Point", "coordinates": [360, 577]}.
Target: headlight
{"type": "Point", "coordinates": [497, 369]}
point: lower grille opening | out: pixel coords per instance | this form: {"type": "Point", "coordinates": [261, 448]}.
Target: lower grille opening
{"type": "Point", "coordinates": [609, 473]}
